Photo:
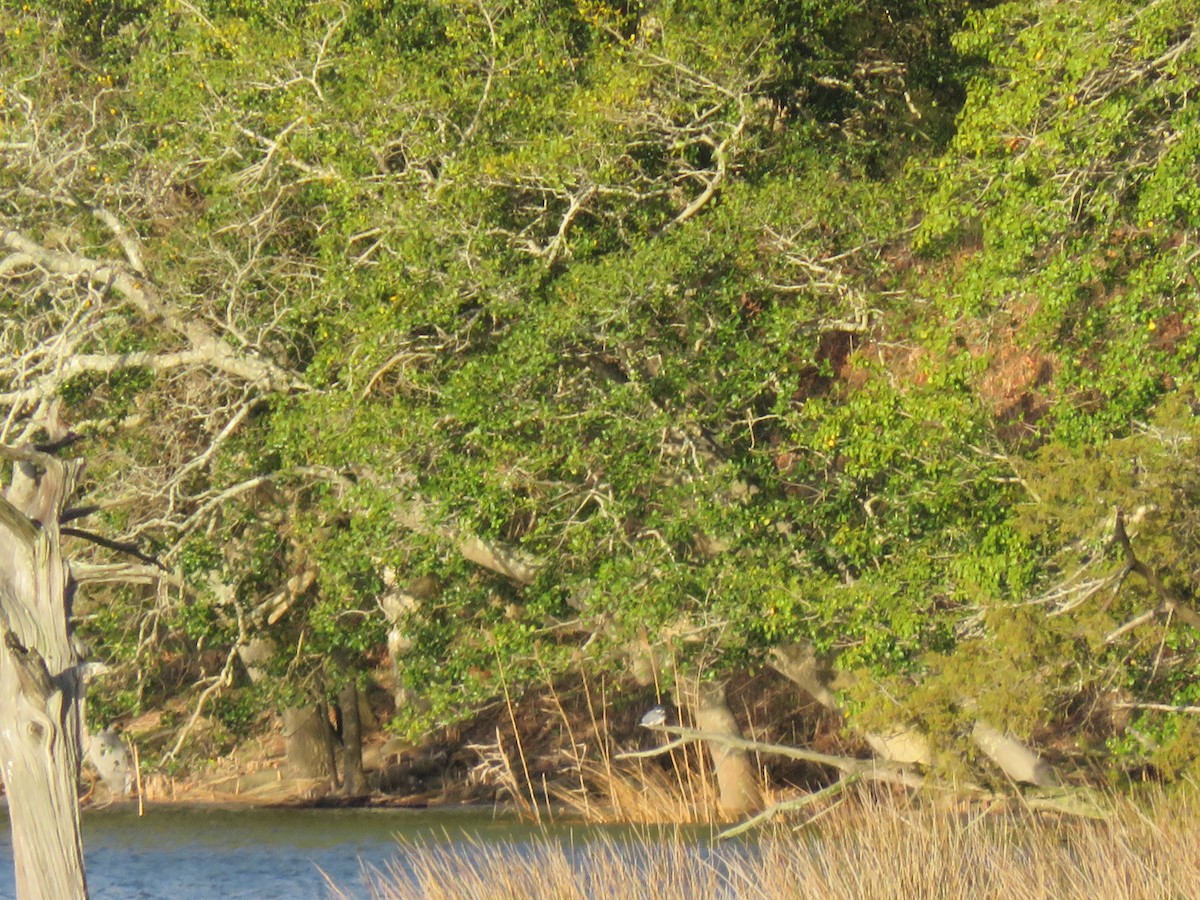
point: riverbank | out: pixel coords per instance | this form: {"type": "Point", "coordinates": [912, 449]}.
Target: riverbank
{"type": "Point", "coordinates": [256, 772]}
{"type": "Point", "coordinates": [553, 747]}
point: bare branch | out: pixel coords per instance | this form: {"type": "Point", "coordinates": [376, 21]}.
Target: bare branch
{"type": "Point", "coordinates": [1160, 707]}
{"type": "Point", "coordinates": [206, 345]}
{"type": "Point", "coordinates": [119, 546]}
{"type": "Point", "coordinates": [1169, 604]}
{"type": "Point", "coordinates": [859, 767]}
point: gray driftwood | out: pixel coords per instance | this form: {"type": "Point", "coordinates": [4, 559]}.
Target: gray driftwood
{"type": "Point", "coordinates": [40, 681]}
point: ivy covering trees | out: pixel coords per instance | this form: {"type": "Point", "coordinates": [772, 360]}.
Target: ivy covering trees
{"type": "Point", "coordinates": [487, 342]}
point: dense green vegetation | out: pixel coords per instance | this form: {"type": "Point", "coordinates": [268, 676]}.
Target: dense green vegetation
{"type": "Point", "coordinates": [556, 335]}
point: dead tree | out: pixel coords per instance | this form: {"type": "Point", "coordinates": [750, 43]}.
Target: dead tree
{"type": "Point", "coordinates": [40, 682]}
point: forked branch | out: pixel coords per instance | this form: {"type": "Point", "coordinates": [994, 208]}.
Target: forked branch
{"type": "Point", "coordinates": [1169, 603]}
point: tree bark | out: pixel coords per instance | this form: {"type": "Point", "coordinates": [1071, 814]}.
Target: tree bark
{"type": "Point", "coordinates": [737, 782]}
{"type": "Point", "coordinates": [308, 743]}
{"type": "Point", "coordinates": [40, 682]}
{"type": "Point", "coordinates": [1013, 758]}
{"type": "Point", "coordinates": [108, 755]}
{"type": "Point", "coordinates": [353, 779]}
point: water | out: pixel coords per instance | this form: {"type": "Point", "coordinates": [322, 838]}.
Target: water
{"type": "Point", "coordinates": [207, 852]}
{"type": "Point", "coordinates": [178, 853]}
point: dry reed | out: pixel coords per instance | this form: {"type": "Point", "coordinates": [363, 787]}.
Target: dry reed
{"type": "Point", "coordinates": [868, 847]}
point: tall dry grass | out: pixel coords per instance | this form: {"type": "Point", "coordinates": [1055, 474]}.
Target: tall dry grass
{"type": "Point", "coordinates": [642, 793]}
{"type": "Point", "coordinates": [868, 847]}
{"type": "Point", "coordinates": [589, 782]}
{"type": "Point", "coordinates": [600, 788]}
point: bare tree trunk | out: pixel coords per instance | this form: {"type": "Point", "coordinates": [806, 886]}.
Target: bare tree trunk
{"type": "Point", "coordinates": [40, 683]}
{"type": "Point", "coordinates": [110, 757]}
{"type": "Point", "coordinates": [308, 741]}
{"type": "Point", "coordinates": [1014, 759]}
{"type": "Point", "coordinates": [353, 778]}
{"type": "Point", "coordinates": [800, 663]}
{"type": "Point", "coordinates": [737, 782]}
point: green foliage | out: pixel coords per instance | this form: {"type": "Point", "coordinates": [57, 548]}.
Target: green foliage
{"type": "Point", "coordinates": [629, 291]}
{"type": "Point", "coordinates": [238, 713]}
{"type": "Point", "coordinates": [1063, 172]}
{"type": "Point", "coordinates": [102, 31]}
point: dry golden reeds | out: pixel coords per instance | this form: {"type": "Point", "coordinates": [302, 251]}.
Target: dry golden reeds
{"type": "Point", "coordinates": [871, 846]}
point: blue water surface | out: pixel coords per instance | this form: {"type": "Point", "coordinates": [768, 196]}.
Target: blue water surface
{"type": "Point", "coordinates": [178, 853]}
{"type": "Point", "coordinates": [209, 852]}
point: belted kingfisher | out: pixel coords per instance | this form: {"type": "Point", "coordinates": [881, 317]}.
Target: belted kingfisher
{"type": "Point", "coordinates": [655, 717]}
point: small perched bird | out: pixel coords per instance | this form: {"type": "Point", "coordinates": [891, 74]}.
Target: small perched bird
{"type": "Point", "coordinates": [655, 717]}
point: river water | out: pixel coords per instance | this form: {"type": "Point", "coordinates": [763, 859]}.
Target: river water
{"type": "Point", "coordinates": [178, 853]}
{"type": "Point", "coordinates": [208, 852]}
